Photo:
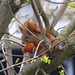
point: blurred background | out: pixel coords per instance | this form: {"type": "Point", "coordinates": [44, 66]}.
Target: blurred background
{"type": "Point", "coordinates": [26, 13]}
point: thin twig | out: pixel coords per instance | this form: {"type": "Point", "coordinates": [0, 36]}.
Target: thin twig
{"type": "Point", "coordinates": [37, 71]}
{"type": "Point", "coordinates": [45, 18]}
{"type": "Point", "coordinates": [19, 63]}
{"type": "Point", "coordinates": [16, 17]}
{"type": "Point", "coordinates": [18, 29]}
{"type": "Point", "coordinates": [22, 24]}
{"type": "Point", "coordinates": [53, 20]}
{"type": "Point", "coordinates": [33, 3]}
{"type": "Point", "coordinates": [27, 28]}
{"type": "Point", "coordinates": [13, 36]}
{"type": "Point", "coordinates": [21, 17]}
{"type": "Point", "coordinates": [11, 55]}
{"type": "Point", "coordinates": [64, 70]}
{"type": "Point", "coordinates": [2, 3]}
{"type": "Point", "coordinates": [12, 41]}
{"type": "Point", "coordinates": [11, 24]}
{"type": "Point", "coordinates": [7, 60]}
{"type": "Point", "coordinates": [60, 28]}
{"type": "Point", "coordinates": [25, 5]}
{"type": "Point", "coordinates": [55, 45]}
{"type": "Point", "coordinates": [38, 55]}
{"type": "Point", "coordinates": [37, 49]}
{"type": "Point", "coordinates": [14, 32]}
{"type": "Point", "coordinates": [10, 65]}
{"type": "Point", "coordinates": [42, 13]}
{"type": "Point", "coordinates": [59, 2]}
{"type": "Point", "coordinates": [19, 13]}
{"type": "Point", "coordinates": [1, 42]}
{"type": "Point", "coordinates": [3, 48]}
{"type": "Point", "coordinates": [3, 68]}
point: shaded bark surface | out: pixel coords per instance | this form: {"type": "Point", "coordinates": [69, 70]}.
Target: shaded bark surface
{"type": "Point", "coordinates": [6, 15]}
{"type": "Point", "coordinates": [58, 59]}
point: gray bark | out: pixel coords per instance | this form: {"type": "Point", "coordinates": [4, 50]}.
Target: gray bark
{"type": "Point", "coordinates": [58, 59]}
{"type": "Point", "coordinates": [68, 50]}
{"type": "Point", "coordinates": [58, 13]}
{"type": "Point", "coordinates": [6, 16]}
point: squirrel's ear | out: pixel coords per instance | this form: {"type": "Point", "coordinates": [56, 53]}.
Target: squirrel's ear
{"type": "Point", "coordinates": [48, 32]}
{"type": "Point", "coordinates": [33, 27]}
{"type": "Point", "coordinates": [21, 28]}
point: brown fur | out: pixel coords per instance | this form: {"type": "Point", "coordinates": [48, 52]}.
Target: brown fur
{"type": "Point", "coordinates": [28, 38]}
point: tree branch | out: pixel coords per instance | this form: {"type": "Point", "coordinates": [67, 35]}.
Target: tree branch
{"type": "Point", "coordinates": [67, 51]}
{"type": "Point", "coordinates": [41, 26]}
{"type": "Point", "coordinates": [45, 18]}
{"type": "Point", "coordinates": [5, 15]}
{"type": "Point", "coordinates": [40, 23]}
{"type": "Point", "coordinates": [40, 72]}
{"type": "Point", "coordinates": [39, 63]}
{"type": "Point", "coordinates": [65, 2]}
{"type": "Point", "coordinates": [66, 31]}
{"type": "Point", "coordinates": [58, 13]}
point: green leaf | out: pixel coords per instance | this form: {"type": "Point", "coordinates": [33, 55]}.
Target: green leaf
{"type": "Point", "coordinates": [56, 8]}
{"type": "Point", "coordinates": [26, 62]}
{"type": "Point", "coordinates": [49, 61]}
{"type": "Point", "coordinates": [3, 60]}
{"type": "Point", "coordinates": [61, 72]}
{"type": "Point", "coordinates": [59, 66]}
{"type": "Point", "coordinates": [34, 60]}
{"type": "Point", "coordinates": [46, 59]}
{"type": "Point", "coordinates": [71, 4]}
{"type": "Point", "coordinates": [17, 60]}
{"type": "Point", "coordinates": [27, 1]}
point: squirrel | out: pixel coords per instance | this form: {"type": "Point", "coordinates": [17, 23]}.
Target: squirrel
{"type": "Point", "coordinates": [29, 38]}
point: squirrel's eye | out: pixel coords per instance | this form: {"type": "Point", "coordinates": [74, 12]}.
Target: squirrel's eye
{"type": "Point", "coordinates": [27, 37]}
